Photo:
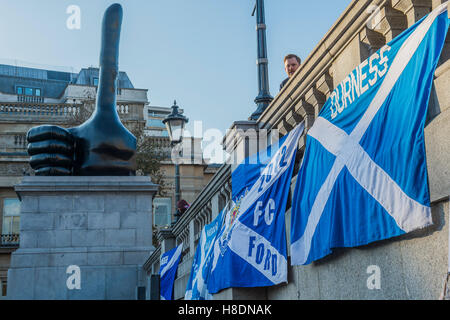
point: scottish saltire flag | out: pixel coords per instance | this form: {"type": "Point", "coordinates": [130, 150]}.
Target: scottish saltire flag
{"type": "Point", "coordinates": [167, 271]}
{"type": "Point", "coordinates": [250, 249]}
{"type": "Point", "coordinates": [364, 176]}
{"type": "Point", "coordinates": [196, 288]}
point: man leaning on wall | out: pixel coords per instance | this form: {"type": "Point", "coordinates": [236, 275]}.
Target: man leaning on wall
{"type": "Point", "coordinates": [291, 64]}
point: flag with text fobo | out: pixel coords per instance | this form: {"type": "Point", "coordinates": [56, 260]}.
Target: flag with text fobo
{"type": "Point", "coordinates": [364, 177]}
{"type": "Point", "coordinates": [168, 270]}
{"type": "Point", "coordinates": [250, 250]}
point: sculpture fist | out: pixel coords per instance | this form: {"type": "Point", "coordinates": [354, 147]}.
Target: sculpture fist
{"type": "Point", "coordinates": [101, 145]}
{"type": "Point", "coordinates": [51, 149]}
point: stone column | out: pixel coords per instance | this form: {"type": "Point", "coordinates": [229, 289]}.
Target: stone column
{"type": "Point", "coordinates": [192, 238]}
{"type": "Point", "coordinates": [100, 226]}
{"type": "Point", "coordinates": [390, 22]}
{"type": "Point", "coordinates": [414, 10]}
{"type": "Point", "coordinates": [167, 240]}
{"type": "Point", "coordinates": [241, 141]}
{"type": "Point", "coordinates": [215, 206]}
{"type": "Point", "coordinates": [316, 99]}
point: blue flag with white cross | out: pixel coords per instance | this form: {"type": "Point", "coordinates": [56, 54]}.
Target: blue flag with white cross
{"type": "Point", "coordinates": [363, 177]}
{"type": "Point", "coordinates": [168, 270]}
{"type": "Point", "coordinates": [250, 249]}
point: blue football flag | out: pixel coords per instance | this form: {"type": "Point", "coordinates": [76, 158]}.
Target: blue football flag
{"type": "Point", "coordinates": [196, 288]}
{"type": "Point", "coordinates": [249, 170]}
{"type": "Point", "coordinates": [167, 271]}
{"type": "Point", "coordinates": [363, 177]}
{"type": "Point", "coordinates": [250, 249]}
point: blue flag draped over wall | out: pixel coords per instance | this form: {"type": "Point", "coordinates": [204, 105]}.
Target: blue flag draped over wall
{"type": "Point", "coordinates": [364, 177]}
{"type": "Point", "coordinates": [250, 249]}
{"type": "Point", "coordinates": [196, 288]}
{"type": "Point", "coordinates": [247, 172]}
{"type": "Point", "coordinates": [167, 270]}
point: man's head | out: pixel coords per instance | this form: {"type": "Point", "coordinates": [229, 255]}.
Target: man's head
{"type": "Point", "coordinates": [291, 63]}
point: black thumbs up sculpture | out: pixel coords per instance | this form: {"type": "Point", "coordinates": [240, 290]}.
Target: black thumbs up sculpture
{"type": "Point", "coordinates": [100, 146]}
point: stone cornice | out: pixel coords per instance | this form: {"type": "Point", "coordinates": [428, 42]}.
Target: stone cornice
{"type": "Point", "coordinates": [235, 134]}
{"type": "Point", "coordinates": [154, 257]}
{"type": "Point", "coordinates": [32, 184]}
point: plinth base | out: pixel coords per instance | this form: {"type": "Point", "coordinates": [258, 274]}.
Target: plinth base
{"type": "Point", "coordinates": [82, 238]}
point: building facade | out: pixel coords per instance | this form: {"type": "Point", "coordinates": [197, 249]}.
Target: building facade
{"type": "Point", "coordinates": [30, 97]}
{"type": "Point", "coordinates": [412, 266]}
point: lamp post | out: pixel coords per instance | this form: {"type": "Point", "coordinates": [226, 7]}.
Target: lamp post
{"type": "Point", "coordinates": [175, 123]}
{"type": "Point", "coordinates": [264, 98]}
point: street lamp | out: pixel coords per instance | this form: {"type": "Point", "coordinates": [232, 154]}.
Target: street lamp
{"type": "Point", "coordinates": [175, 126]}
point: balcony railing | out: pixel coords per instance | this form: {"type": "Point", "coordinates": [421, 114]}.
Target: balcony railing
{"type": "Point", "coordinates": [34, 99]}
{"type": "Point", "coordinates": [9, 240]}
{"type": "Point", "coordinates": [58, 111]}
{"type": "Point", "coordinates": [16, 109]}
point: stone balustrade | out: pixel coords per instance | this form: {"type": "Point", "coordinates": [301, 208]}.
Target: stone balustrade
{"type": "Point", "coordinates": [9, 240]}
{"type": "Point", "coordinates": [59, 111]}
{"type": "Point", "coordinates": [17, 109]}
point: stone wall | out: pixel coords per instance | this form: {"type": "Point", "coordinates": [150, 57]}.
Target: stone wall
{"type": "Point", "coordinates": [13, 169]}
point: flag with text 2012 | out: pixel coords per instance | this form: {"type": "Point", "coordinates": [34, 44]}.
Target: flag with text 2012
{"type": "Point", "coordinates": [250, 250]}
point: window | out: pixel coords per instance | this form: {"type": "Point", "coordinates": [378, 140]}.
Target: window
{"type": "Point", "coordinates": [161, 211]}
{"type": "Point", "coordinates": [11, 216]}
{"type": "Point", "coordinates": [29, 91]}
{"type": "Point", "coordinates": [95, 81]}
{"type": "Point", "coordinates": [155, 123]}
{"type": "Point", "coordinates": [157, 133]}
{"type": "Point", "coordinates": [157, 114]}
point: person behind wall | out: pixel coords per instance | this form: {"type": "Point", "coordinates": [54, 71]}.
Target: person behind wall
{"type": "Point", "coordinates": [182, 206]}
{"type": "Point", "coordinates": [291, 64]}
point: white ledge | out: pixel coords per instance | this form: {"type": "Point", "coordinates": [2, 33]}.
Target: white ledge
{"type": "Point", "coordinates": [86, 184]}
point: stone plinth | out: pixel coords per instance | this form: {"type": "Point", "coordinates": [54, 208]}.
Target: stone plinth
{"type": "Point", "coordinates": [103, 225]}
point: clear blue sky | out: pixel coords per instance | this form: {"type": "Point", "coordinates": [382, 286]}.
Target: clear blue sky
{"type": "Point", "coordinates": [200, 52]}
